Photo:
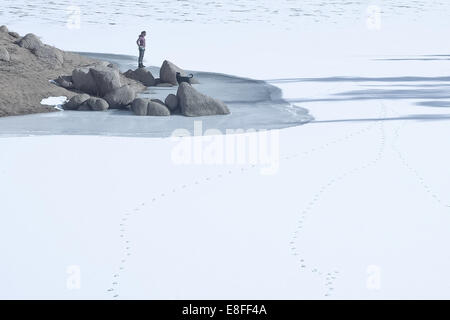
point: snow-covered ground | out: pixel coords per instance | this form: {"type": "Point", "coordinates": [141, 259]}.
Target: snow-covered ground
{"type": "Point", "coordinates": [353, 205]}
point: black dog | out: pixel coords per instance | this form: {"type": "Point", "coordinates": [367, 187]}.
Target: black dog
{"type": "Point", "coordinates": [181, 78]}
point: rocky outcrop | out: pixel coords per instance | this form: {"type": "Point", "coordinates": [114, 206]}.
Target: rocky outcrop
{"type": "Point", "coordinates": [146, 107]}
{"type": "Point", "coordinates": [4, 29]}
{"type": "Point", "coordinates": [142, 75]}
{"type": "Point", "coordinates": [4, 55]}
{"type": "Point", "coordinates": [172, 102]}
{"type": "Point", "coordinates": [196, 104]}
{"type": "Point", "coordinates": [120, 97]}
{"type": "Point", "coordinates": [96, 80]}
{"type": "Point", "coordinates": [24, 79]}
{"type": "Point", "coordinates": [76, 101]}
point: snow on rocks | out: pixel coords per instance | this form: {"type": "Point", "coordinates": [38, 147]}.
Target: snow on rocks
{"type": "Point", "coordinates": [56, 102]}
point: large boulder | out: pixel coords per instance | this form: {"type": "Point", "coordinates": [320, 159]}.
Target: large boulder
{"type": "Point", "coordinates": [82, 80]}
{"type": "Point", "coordinates": [196, 104]}
{"type": "Point", "coordinates": [106, 79]}
{"type": "Point", "coordinates": [97, 104]}
{"type": "Point", "coordinates": [4, 55]}
{"type": "Point", "coordinates": [30, 41]}
{"type": "Point", "coordinates": [4, 29]}
{"type": "Point", "coordinates": [139, 106]}
{"type": "Point", "coordinates": [168, 72]}
{"type": "Point", "coordinates": [172, 102]}
{"type": "Point", "coordinates": [157, 109]}
{"type": "Point", "coordinates": [76, 101]}
{"type": "Point", "coordinates": [120, 97]}
{"type": "Point", "coordinates": [49, 55]}
{"type": "Point", "coordinates": [146, 107]}
{"type": "Point", "coordinates": [142, 75]}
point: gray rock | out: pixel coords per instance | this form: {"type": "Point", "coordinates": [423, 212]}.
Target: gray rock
{"type": "Point", "coordinates": [4, 29]}
{"type": "Point", "coordinates": [49, 55]}
{"type": "Point", "coordinates": [168, 72]}
{"type": "Point", "coordinates": [158, 101]}
{"type": "Point", "coordinates": [156, 109]}
{"type": "Point", "coordinates": [65, 82]}
{"type": "Point", "coordinates": [120, 97]}
{"type": "Point", "coordinates": [84, 107]}
{"type": "Point", "coordinates": [196, 104]}
{"type": "Point", "coordinates": [140, 106]}
{"type": "Point", "coordinates": [76, 101]}
{"type": "Point", "coordinates": [142, 75]}
{"type": "Point", "coordinates": [30, 41]}
{"type": "Point", "coordinates": [14, 34]}
{"type": "Point", "coordinates": [82, 80]}
{"type": "Point", "coordinates": [4, 54]}
{"type": "Point", "coordinates": [97, 104]}
{"type": "Point", "coordinates": [172, 102]}
{"type": "Point", "coordinates": [106, 79]}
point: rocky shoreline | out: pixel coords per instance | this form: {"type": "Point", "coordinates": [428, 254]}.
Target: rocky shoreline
{"type": "Point", "coordinates": [27, 67]}
{"type": "Point", "coordinates": [31, 71]}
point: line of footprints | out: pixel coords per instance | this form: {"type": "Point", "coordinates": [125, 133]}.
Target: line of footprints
{"type": "Point", "coordinates": [329, 278]}
{"type": "Point", "coordinates": [126, 242]}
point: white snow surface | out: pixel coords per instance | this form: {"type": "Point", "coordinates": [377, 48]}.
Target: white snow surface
{"type": "Point", "coordinates": [54, 101]}
{"type": "Point", "coordinates": [359, 206]}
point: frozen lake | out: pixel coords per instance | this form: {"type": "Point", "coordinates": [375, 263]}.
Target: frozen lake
{"type": "Point", "coordinates": [287, 13]}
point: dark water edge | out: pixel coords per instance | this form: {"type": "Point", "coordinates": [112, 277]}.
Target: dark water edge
{"type": "Point", "coordinates": [254, 105]}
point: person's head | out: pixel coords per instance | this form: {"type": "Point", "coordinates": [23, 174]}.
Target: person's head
{"type": "Point", "coordinates": [143, 33]}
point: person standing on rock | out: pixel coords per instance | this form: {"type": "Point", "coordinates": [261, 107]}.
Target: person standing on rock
{"type": "Point", "coordinates": [141, 44]}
